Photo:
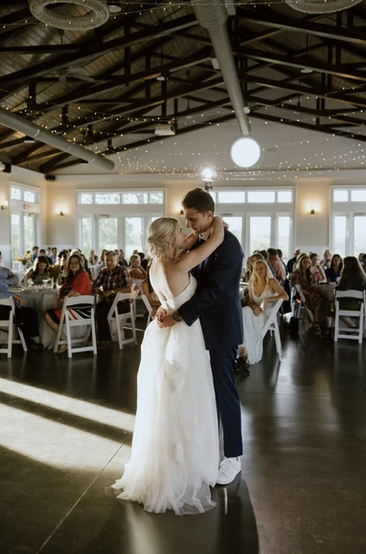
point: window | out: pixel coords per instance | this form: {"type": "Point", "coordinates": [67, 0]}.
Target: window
{"type": "Point", "coordinates": [259, 218]}
{"type": "Point", "coordinates": [117, 218]}
{"type": "Point", "coordinates": [348, 220]}
{"type": "Point", "coordinates": [25, 209]}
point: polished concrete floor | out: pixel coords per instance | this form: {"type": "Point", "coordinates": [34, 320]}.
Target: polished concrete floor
{"type": "Point", "coordinates": [66, 432]}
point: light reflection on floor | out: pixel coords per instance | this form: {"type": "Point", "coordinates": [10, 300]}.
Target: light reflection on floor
{"type": "Point", "coordinates": [100, 414]}
{"type": "Point", "coordinates": [52, 443]}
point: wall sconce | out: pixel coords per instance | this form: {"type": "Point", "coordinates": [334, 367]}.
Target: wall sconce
{"type": "Point", "coordinates": [5, 205]}
{"type": "Point", "coordinates": [61, 212]}
{"type": "Point", "coordinates": [208, 175]}
{"type": "Point", "coordinates": [313, 211]}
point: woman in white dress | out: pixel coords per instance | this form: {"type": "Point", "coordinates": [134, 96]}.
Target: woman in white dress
{"type": "Point", "coordinates": [175, 454]}
{"type": "Point", "coordinates": [263, 291]}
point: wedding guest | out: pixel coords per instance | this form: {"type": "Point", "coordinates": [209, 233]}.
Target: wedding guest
{"type": "Point", "coordinates": [265, 256]}
{"type": "Point", "coordinates": [263, 290]}
{"type": "Point", "coordinates": [333, 273]}
{"type": "Point", "coordinates": [249, 265]}
{"type": "Point", "coordinates": [38, 273]}
{"type": "Point", "coordinates": [91, 257]}
{"type": "Point", "coordinates": [35, 252]}
{"type": "Point", "coordinates": [25, 318]}
{"type": "Point", "coordinates": [76, 283]}
{"type": "Point", "coordinates": [280, 255]}
{"type": "Point", "coordinates": [275, 261]}
{"type": "Point", "coordinates": [352, 278]}
{"type": "Point", "coordinates": [54, 255]}
{"type": "Point", "coordinates": [135, 269]}
{"type": "Point", "coordinates": [121, 259]}
{"type": "Point", "coordinates": [112, 279]}
{"type": "Point", "coordinates": [316, 269]}
{"type": "Point", "coordinates": [302, 276]}
{"type": "Point", "coordinates": [325, 262]}
{"type": "Point", "coordinates": [9, 276]}
{"type": "Point", "coordinates": [144, 261]}
{"type": "Point", "coordinates": [292, 261]}
{"type": "Point", "coordinates": [42, 252]}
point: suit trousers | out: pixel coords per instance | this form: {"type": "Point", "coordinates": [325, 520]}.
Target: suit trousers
{"type": "Point", "coordinates": [227, 399]}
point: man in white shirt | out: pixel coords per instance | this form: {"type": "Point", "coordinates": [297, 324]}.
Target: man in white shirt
{"type": "Point", "coordinates": [8, 275]}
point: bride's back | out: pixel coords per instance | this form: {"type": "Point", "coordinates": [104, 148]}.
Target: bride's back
{"type": "Point", "coordinates": [167, 281]}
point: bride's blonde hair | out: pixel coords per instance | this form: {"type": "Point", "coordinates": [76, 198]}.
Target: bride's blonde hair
{"type": "Point", "coordinates": [160, 231]}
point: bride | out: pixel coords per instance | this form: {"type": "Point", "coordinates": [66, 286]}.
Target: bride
{"type": "Point", "coordinates": [175, 454]}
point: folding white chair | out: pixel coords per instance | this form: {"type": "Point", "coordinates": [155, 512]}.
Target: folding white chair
{"type": "Point", "coordinates": [272, 326]}
{"type": "Point", "coordinates": [121, 319]}
{"type": "Point", "coordinates": [70, 323]}
{"type": "Point", "coordinates": [148, 306]}
{"type": "Point", "coordinates": [8, 325]}
{"type": "Point", "coordinates": [302, 305]}
{"type": "Point", "coordinates": [341, 330]}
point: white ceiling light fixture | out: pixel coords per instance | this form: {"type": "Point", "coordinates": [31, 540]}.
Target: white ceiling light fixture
{"type": "Point", "coordinates": [245, 152]}
{"type": "Point", "coordinates": [321, 6]}
{"type": "Point", "coordinates": [97, 15]}
{"type": "Point", "coordinates": [114, 8]}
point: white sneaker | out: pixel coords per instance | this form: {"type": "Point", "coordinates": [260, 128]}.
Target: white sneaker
{"type": "Point", "coordinates": [228, 470]}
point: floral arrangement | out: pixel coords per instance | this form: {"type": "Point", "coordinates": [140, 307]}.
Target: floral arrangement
{"type": "Point", "coordinates": [54, 272]}
{"type": "Point", "coordinates": [26, 259]}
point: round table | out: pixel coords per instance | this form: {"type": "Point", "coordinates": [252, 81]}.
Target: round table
{"type": "Point", "coordinates": [41, 299]}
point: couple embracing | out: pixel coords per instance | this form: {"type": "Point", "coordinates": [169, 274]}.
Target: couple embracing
{"type": "Point", "coordinates": [187, 370]}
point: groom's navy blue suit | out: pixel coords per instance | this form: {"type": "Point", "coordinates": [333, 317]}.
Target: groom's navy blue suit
{"type": "Point", "coordinates": [217, 304]}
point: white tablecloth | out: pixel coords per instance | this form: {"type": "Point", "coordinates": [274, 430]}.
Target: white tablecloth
{"type": "Point", "coordinates": [41, 300]}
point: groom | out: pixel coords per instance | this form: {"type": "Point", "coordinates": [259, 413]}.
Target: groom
{"type": "Point", "coordinates": [217, 304]}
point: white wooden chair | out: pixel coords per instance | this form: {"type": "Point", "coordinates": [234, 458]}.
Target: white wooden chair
{"type": "Point", "coordinates": [272, 326]}
{"type": "Point", "coordinates": [8, 325]}
{"type": "Point", "coordinates": [341, 330]}
{"type": "Point", "coordinates": [70, 324]}
{"type": "Point", "coordinates": [148, 306]}
{"type": "Point", "coordinates": [301, 306]}
{"type": "Point", "coordinates": [121, 319]}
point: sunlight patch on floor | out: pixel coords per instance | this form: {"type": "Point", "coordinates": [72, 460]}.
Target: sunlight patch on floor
{"type": "Point", "coordinates": [81, 408]}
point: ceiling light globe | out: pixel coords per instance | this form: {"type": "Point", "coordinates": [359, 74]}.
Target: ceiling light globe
{"type": "Point", "coordinates": [245, 152]}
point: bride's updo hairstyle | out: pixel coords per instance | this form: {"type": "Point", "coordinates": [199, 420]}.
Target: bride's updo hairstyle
{"type": "Point", "coordinates": [160, 231]}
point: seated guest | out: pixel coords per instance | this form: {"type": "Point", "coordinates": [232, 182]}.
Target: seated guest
{"type": "Point", "coordinates": [135, 269]}
{"type": "Point", "coordinates": [265, 256]}
{"type": "Point", "coordinates": [333, 273]}
{"type": "Point", "coordinates": [35, 253]}
{"type": "Point", "coordinates": [148, 291]}
{"type": "Point", "coordinates": [280, 255]}
{"type": "Point", "coordinates": [263, 291]}
{"type": "Point", "coordinates": [76, 283]}
{"type": "Point", "coordinates": [112, 279]}
{"type": "Point", "coordinates": [292, 261]}
{"type": "Point", "coordinates": [325, 262]}
{"type": "Point", "coordinates": [316, 269]}
{"type": "Point", "coordinates": [8, 275]}
{"type": "Point", "coordinates": [352, 278]}
{"type": "Point", "coordinates": [121, 259]}
{"type": "Point", "coordinates": [275, 262]}
{"type": "Point", "coordinates": [302, 276]}
{"type": "Point", "coordinates": [54, 255]}
{"type": "Point", "coordinates": [249, 265]}
{"type": "Point", "coordinates": [42, 252]}
{"type": "Point", "coordinates": [91, 257]}
{"type": "Point", "coordinates": [25, 318]}
{"type": "Point", "coordinates": [39, 271]}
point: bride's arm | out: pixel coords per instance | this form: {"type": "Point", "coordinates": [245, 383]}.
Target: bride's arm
{"type": "Point", "coordinates": [196, 256]}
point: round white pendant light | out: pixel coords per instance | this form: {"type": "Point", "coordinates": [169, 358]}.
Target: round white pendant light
{"type": "Point", "coordinates": [97, 15]}
{"type": "Point", "coordinates": [245, 152]}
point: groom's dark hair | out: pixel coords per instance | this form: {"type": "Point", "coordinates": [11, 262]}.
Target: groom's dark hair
{"type": "Point", "coordinates": [200, 200]}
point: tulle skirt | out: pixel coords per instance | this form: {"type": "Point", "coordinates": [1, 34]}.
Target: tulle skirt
{"type": "Point", "coordinates": [174, 458]}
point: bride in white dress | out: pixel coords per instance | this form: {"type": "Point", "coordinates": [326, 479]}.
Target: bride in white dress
{"type": "Point", "coordinates": [175, 453]}
{"type": "Point", "coordinates": [263, 291]}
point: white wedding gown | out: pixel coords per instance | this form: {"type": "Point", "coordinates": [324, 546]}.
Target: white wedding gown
{"type": "Point", "coordinates": [174, 458]}
{"type": "Point", "coordinates": [253, 326]}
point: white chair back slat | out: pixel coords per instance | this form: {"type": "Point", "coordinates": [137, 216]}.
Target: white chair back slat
{"type": "Point", "coordinates": [122, 319]}
{"type": "Point", "coordinates": [341, 331]}
{"type": "Point", "coordinates": [70, 323]}
{"type": "Point", "coordinates": [273, 327]}
{"type": "Point", "coordinates": [10, 327]}
{"type": "Point", "coordinates": [148, 306]}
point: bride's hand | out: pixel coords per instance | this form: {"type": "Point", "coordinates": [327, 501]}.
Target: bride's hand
{"type": "Point", "coordinates": [159, 317]}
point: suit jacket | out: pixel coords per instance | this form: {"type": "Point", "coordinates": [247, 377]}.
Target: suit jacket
{"type": "Point", "coordinates": [216, 301]}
